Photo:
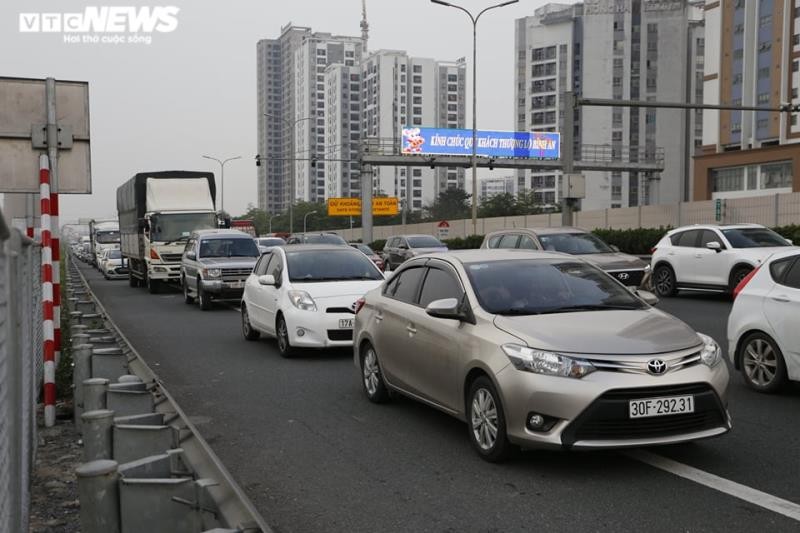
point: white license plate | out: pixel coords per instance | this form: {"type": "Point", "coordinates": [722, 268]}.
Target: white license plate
{"type": "Point", "coordinates": [345, 323]}
{"type": "Point", "coordinates": [671, 405]}
{"type": "Point", "coordinates": [236, 284]}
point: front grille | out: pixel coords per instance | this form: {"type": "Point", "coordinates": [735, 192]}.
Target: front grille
{"type": "Point", "coordinates": [629, 277]}
{"type": "Point", "coordinates": [237, 272]}
{"type": "Point", "coordinates": [340, 310]}
{"type": "Point", "coordinates": [607, 418]}
{"type": "Point", "coordinates": [121, 270]}
{"type": "Point", "coordinates": [340, 334]}
{"type": "Point", "coordinates": [171, 258]}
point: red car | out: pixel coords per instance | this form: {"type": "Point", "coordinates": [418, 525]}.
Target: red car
{"type": "Point", "coordinates": [369, 252]}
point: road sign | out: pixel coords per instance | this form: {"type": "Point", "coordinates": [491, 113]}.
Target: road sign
{"type": "Point", "coordinates": [351, 207]}
{"type": "Point", "coordinates": [718, 210]}
{"type": "Point", "coordinates": [23, 120]}
{"type": "Point", "coordinates": [449, 141]}
{"type": "Point", "coordinates": [443, 229]}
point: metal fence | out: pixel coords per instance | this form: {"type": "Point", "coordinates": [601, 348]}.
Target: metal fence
{"type": "Point", "coordinates": [773, 210]}
{"type": "Point", "coordinates": [21, 371]}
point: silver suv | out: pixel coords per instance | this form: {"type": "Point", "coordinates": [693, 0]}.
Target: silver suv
{"type": "Point", "coordinates": [400, 248]}
{"type": "Point", "coordinates": [215, 265]}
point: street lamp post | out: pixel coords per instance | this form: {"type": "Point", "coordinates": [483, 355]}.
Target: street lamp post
{"type": "Point", "coordinates": [474, 20]}
{"type": "Point", "coordinates": [304, 222]}
{"type": "Point", "coordinates": [222, 177]}
{"type": "Point", "coordinates": [292, 125]}
{"type": "Point", "coordinates": [270, 221]}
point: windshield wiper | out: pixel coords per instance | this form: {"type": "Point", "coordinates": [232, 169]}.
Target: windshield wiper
{"type": "Point", "coordinates": [516, 311]}
{"type": "Point", "coordinates": [592, 307]}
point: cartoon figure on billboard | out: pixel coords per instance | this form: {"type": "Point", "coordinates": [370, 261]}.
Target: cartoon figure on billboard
{"type": "Point", "coordinates": [412, 141]}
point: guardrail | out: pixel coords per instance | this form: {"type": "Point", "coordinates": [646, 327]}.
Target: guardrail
{"type": "Point", "coordinates": [147, 468]}
{"type": "Point", "coordinates": [21, 369]}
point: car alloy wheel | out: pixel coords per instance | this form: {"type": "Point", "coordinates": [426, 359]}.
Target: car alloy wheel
{"type": "Point", "coordinates": [487, 423]}
{"type": "Point", "coordinates": [664, 281]}
{"type": "Point", "coordinates": [247, 328]}
{"type": "Point", "coordinates": [282, 332]}
{"type": "Point", "coordinates": [374, 386]}
{"type": "Point", "coordinates": [762, 364]}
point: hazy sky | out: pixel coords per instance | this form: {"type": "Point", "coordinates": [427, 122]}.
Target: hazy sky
{"type": "Point", "coordinates": [193, 91]}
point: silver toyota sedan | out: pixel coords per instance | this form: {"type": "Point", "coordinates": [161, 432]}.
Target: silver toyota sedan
{"type": "Point", "coordinates": [538, 349]}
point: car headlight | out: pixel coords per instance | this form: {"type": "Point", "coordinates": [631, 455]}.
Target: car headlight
{"type": "Point", "coordinates": [547, 363]}
{"type": "Point", "coordinates": [212, 272]}
{"type": "Point", "coordinates": [302, 300]}
{"type": "Point", "coordinates": [711, 354]}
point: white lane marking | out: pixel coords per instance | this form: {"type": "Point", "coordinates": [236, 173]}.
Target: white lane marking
{"type": "Point", "coordinates": [234, 307]}
{"type": "Point", "coordinates": [737, 490]}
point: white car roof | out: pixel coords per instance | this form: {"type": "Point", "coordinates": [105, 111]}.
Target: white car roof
{"type": "Point", "coordinates": [715, 226]}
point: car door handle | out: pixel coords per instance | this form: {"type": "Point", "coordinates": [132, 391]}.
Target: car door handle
{"type": "Point", "coordinates": [699, 256]}
{"type": "Point", "coordinates": [411, 329]}
{"type": "Point", "coordinates": [378, 316]}
{"type": "Point", "coordinates": [781, 298]}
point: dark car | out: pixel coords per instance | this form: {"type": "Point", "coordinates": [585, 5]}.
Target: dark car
{"type": "Point", "coordinates": [402, 247]}
{"type": "Point", "coordinates": [369, 252]}
{"type": "Point", "coordinates": [628, 269]}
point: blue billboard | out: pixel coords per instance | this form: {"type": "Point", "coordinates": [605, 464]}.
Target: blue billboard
{"type": "Point", "coordinates": [443, 141]}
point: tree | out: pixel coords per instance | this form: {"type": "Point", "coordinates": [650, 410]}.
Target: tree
{"type": "Point", "coordinates": [450, 204]}
{"type": "Point", "coordinates": [258, 216]}
{"type": "Point", "coordinates": [499, 205]}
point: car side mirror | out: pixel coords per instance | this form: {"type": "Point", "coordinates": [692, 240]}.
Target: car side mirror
{"type": "Point", "coordinates": [615, 248]}
{"type": "Point", "coordinates": [191, 256]}
{"type": "Point", "coordinates": [445, 308]}
{"type": "Point", "coordinates": [647, 297]}
{"type": "Point", "coordinates": [789, 241]}
{"type": "Point", "coordinates": [714, 245]}
{"type": "Point", "coordinates": [267, 280]}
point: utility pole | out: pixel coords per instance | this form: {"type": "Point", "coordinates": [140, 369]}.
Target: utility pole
{"type": "Point", "coordinates": [567, 154]}
{"type": "Point", "coordinates": [366, 204]}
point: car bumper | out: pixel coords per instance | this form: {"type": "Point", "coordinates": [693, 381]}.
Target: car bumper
{"type": "Point", "coordinates": [223, 289]}
{"type": "Point", "coordinates": [117, 273]}
{"type": "Point", "coordinates": [592, 413]}
{"type": "Point", "coordinates": [164, 272]}
{"type": "Point", "coordinates": [318, 329]}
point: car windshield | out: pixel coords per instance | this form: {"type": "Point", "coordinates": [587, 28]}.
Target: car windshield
{"type": "Point", "coordinates": [178, 227]}
{"type": "Point", "coordinates": [542, 286]}
{"type": "Point", "coordinates": [272, 241]}
{"type": "Point", "coordinates": [115, 254]}
{"type": "Point", "coordinates": [107, 237]}
{"type": "Point", "coordinates": [423, 241]}
{"type": "Point", "coordinates": [753, 238]}
{"type": "Point", "coordinates": [241, 247]}
{"type": "Point", "coordinates": [330, 265]}
{"type": "Point", "coordinates": [574, 243]}
{"type": "Point", "coordinates": [330, 238]}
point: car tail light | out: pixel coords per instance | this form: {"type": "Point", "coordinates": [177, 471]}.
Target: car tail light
{"type": "Point", "coordinates": [359, 304]}
{"type": "Point", "coordinates": [745, 281]}
{"type": "Point", "coordinates": [154, 254]}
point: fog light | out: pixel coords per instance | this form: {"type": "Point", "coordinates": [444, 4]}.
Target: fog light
{"type": "Point", "coordinates": [540, 423]}
{"type": "Point", "coordinates": [300, 332]}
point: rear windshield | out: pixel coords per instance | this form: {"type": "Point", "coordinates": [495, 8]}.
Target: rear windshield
{"type": "Point", "coordinates": [365, 249]}
{"type": "Point", "coordinates": [107, 237]}
{"type": "Point", "coordinates": [241, 247]}
{"type": "Point", "coordinates": [114, 254]}
{"type": "Point", "coordinates": [574, 243]}
{"type": "Point", "coordinates": [541, 286]}
{"type": "Point", "coordinates": [272, 241]}
{"type": "Point", "coordinates": [324, 239]}
{"type": "Point", "coordinates": [424, 242]}
{"type": "Point", "coordinates": [753, 238]}
{"type": "Point", "coordinates": [330, 265]}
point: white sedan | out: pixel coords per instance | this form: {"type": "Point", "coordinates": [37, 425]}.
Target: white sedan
{"type": "Point", "coordinates": [764, 324]}
{"type": "Point", "coordinates": [304, 295]}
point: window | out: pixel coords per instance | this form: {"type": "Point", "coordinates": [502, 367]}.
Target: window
{"type": "Point", "coordinates": [795, 66]}
{"type": "Point", "coordinates": [508, 241]}
{"type": "Point", "coordinates": [763, 72]}
{"type": "Point", "coordinates": [792, 277]}
{"type": "Point", "coordinates": [405, 285]}
{"type": "Point", "coordinates": [710, 236]}
{"type": "Point", "coordinates": [526, 243]}
{"type": "Point", "coordinates": [261, 267]}
{"type": "Point", "coordinates": [778, 268]}
{"type": "Point", "coordinates": [418, 100]}
{"type": "Point", "coordinates": [417, 69]}
{"type": "Point", "coordinates": [439, 285]}
{"type": "Point", "coordinates": [686, 238]}
{"type": "Point", "coordinates": [417, 79]}
{"type": "Point", "coordinates": [765, 20]}
{"type": "Point", "coordinates": [763, 98]}
{"type": "Point", "coordinates": [452, 87]}
{"type": "Point", "coordinates": [275, 268]}
{"type": "Point", "coordinates": [452, 77]}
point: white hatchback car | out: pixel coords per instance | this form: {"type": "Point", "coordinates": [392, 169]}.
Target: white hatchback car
{"type": "Point", "coordinates": [710, 257]}
{"type": "Point", "coordinates": [764, 324]}
{"type": "Point", "coordinates": [305, 295]}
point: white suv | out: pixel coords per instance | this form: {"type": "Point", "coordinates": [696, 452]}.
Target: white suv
{"type": "Point", "coordinates": [710, 257]}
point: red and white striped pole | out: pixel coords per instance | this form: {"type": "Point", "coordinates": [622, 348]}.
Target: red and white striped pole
{"type": "Point", "coordinates": [47, 296]}
{"type": "Point", "coordinates": [55, 232]}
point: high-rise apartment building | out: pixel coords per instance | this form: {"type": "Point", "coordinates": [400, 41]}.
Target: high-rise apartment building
{"type": "Point", "coordinates": [615, 49]}
{"type": "Point", "coordinates": [752, 59]}
{"type": "Point", "coordinates": [490, 187]}
{"type": "Point", "coordinates": [292, 90]}
{"type": "Point", "coordinates": [400, 91]}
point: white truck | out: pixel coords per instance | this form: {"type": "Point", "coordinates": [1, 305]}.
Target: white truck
{"type": "Point", "coordinates": [103, 235]}
{"type": "Point", "coordinates": [158, 211]}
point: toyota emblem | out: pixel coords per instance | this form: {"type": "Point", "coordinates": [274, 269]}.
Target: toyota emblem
{"type": "Point", "coordinates": [656, 367]}
{"type": "Point", "coordinates": [623, 276]}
